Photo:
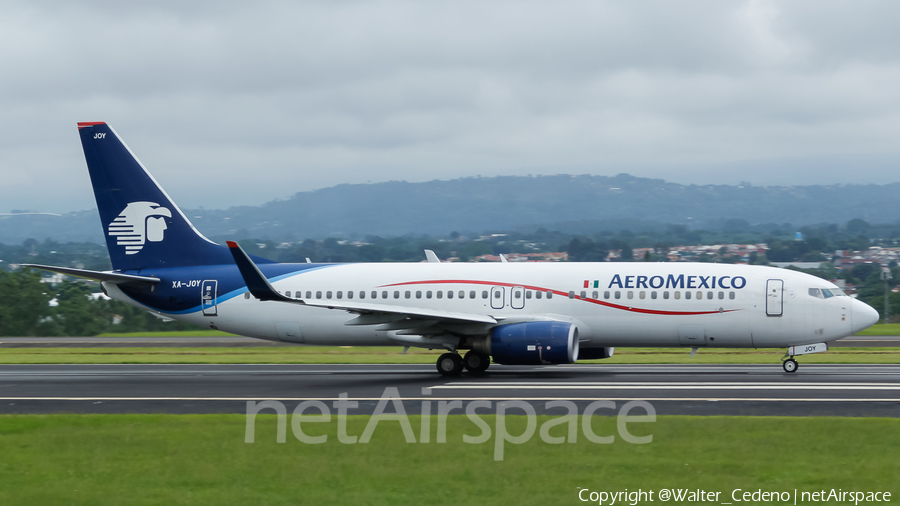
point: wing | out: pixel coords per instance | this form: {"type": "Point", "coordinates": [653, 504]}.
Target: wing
{"type": "Point", "coordinates": [391, 316]}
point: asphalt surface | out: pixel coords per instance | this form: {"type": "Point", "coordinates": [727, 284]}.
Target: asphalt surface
{"type": "Point", "coordinates": [755, 390]}
{"type": "Point", "coordinates": [239, 342]}
{"type": "Point", "coordinates": [137, 342]}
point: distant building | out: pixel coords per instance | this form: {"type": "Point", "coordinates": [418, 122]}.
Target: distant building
{"type": "Point", "coordinates": [797, 265]}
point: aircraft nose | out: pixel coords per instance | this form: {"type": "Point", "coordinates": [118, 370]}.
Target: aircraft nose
{"type": "Point", "coordinates": [863, 316]}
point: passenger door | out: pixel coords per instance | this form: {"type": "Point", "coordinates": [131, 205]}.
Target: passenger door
{"type": "Point", "coordinates": [774, 297]}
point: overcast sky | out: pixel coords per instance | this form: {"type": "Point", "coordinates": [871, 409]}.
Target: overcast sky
{"type": "Point", "coordinates": [241, 103]}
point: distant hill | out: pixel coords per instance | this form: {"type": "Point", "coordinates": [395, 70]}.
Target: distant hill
{"type": "Point", "coordinates": [563, 202]}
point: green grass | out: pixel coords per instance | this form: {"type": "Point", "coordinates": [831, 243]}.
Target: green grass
{"type": "Point", "coordinates": [181, 333]}
{"type": "Point", "coordinates": [202, 459]}
{"type": "Point", "coordinates": [890, 329]}
{"type": "Point", "coordinates": [391, 355]}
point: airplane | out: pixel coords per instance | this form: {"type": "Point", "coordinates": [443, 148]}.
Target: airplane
{"type": "Point", "coordinates": [506, 313]}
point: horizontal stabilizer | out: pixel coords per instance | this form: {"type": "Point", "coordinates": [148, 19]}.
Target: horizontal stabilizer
{"type": "Point", "coordinates": [110, 277]}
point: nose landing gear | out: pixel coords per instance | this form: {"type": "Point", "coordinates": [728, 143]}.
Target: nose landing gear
{"type": "Point", "coordinates": [790, 365]}
{"type": "Point", "coordinates": [788, 362]}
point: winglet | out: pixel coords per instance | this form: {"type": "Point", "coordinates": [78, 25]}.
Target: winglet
{"type": "Point", "coordinates": [256, 282]}
{"type": "Point", "coordinates": [432, 256]}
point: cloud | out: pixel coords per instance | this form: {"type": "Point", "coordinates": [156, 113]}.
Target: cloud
{"type": "Point", "coordinates": [239, 103]}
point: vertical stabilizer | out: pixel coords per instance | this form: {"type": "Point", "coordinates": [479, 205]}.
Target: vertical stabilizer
{"type": "Point", "coordinates": [144, 229]}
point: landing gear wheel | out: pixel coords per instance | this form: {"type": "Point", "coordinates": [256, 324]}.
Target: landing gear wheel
{"type": "Point", "coordinates": [450, 364]}
{"type": "Point", "coordinates": [790, 365]}
{"type": "Point", "coordinates": [476, 362]}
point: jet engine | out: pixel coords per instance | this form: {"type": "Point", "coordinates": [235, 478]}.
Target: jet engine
{"type": "Point", "coordinates": [535, 343]}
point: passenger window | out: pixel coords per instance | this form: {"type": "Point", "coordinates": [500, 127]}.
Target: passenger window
{"type": "Point", "coordinates": [408, 294]}
{"type": "Point", "coordinates": [583, 295]}
{"type": "Point", "coordinates": [630, 294]}
{"type": "Point", "coordinates": [677, 294]}
{"type": "Point", "coordinates": [385, 294]}
{"type": "Point", "coordinates": [595, 295]}
{"type": "Point", "coordinates": [308, 295]}
{"type": "Point", "coordinates": [287, 293]}
{"type": "Point", "coordinates": [643, 295]}
{"type": "Point", "coordinates": [721, 295]}
{"type": "Point", "coordinates": [731, 295]}
{"type": "Point", "coordinates": [687, 295]}
{"type": "Point", "coordinates": [571, 295]}
{"type": "Point", "coordinates": [618, 294]}
{"type": "Point", "coordinates": [709, 295]}
{"type": "Point", "coordinates": [699, 295]}
{"type": "Point", "coordinates": [484, 294]}
{"type": "Point", "coordinates": [328, 294]}
{"type": "Point", "coordinates": [340, 294]}
{"type": "Point", "coordinates": [349, 294]}
{"type": "Point", "coordinates": [497, 294]}
{"type": "Point", "coordinates": [397, 294]}
{"type": "Point", "coordinates": [606, 294]}
{"type": "Point", "coordinates": [362, 294]}
{"type": "Point", "coordinates": [375, 294]}
{"type": "Point", "coordinates": [517, 294]}
{"type": "Point", "coordinates": [462, 294]}
{"type": "Point", "coordinates": [549, 294]}
{"type": "Point", "coordinates": [246, 295]}
{"type": "Point", "coordinates": [318, 295]}
{"type": "Point", "coordinates": [527, 294]}
{"type": "Point", "coordinates": [666, 294]}
{"type": "Point", "coordinates": [428, 294]}
{"type": "Point", "coordinates": [449, 294]}
{"type": "Point", "coordinates": [652, 295]}
{"type": "Point", "coordinates": [538, 294]}
{"type": "Point", "coordinates": [418, 294]}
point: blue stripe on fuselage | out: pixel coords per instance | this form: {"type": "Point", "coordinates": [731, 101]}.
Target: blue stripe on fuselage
{"type": "Point", "coordinates": [179, 289]}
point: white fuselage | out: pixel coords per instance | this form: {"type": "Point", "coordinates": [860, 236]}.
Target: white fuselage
{"type": "Point", "coordinates": [612, 304]}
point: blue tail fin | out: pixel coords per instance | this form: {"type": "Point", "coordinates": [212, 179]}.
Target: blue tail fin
{"type": "Point", "coordinates": [144, 228]}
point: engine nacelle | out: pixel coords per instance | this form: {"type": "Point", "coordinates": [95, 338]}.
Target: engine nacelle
{"type": "Point", "coordinates": [535, 343]}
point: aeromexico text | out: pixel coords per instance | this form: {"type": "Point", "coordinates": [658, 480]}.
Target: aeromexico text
{"type": "Point", "coordinates": [680, 281]}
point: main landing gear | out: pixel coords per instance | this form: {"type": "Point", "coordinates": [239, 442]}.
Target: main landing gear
{"type": "Point", "coordinates": [790, 365]}
{"type": "Point", "coordinates": [451, 364]}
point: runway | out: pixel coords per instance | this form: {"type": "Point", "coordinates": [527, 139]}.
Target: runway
{"type": "Point", "coordinates": [249, 342]}
{"type": "Point", "coordinates": [754, 390]}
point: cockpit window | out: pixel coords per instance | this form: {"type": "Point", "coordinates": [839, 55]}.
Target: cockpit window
{"type": "Point", "coordinates": [825, 293]}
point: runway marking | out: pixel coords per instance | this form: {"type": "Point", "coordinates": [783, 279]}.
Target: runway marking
{"type": "Point", "coordinates": [262, 398]}
{"type": "Point", "coordinates": [671, 386]}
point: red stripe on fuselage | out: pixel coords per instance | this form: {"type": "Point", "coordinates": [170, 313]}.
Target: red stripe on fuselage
{"type": "Point", "coordinates": [563, 294]}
